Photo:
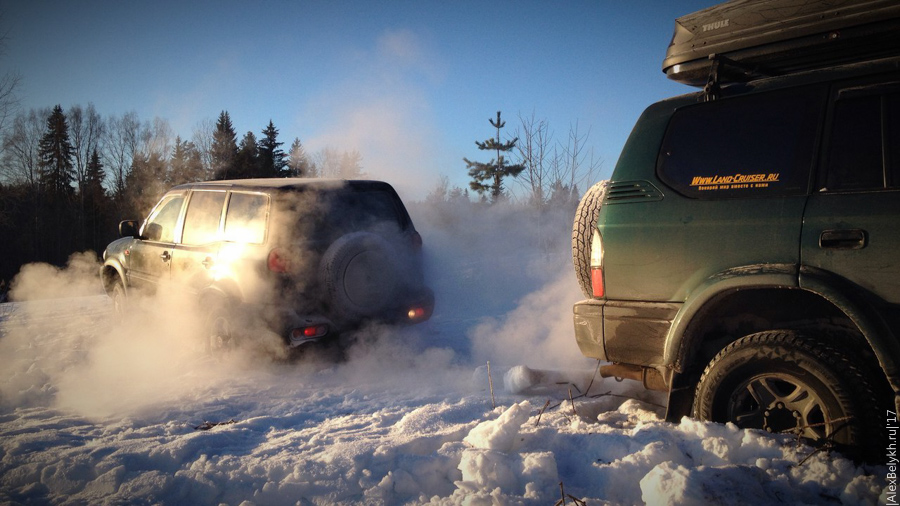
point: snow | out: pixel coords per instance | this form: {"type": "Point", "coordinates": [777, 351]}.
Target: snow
{"type": "Point", "coordinates": [95, 411]}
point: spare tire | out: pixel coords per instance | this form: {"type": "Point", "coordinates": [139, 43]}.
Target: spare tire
{"type": "Point", "coordinates": [361, 276]}
{"type": "Point", "coordinates": [582, 232]}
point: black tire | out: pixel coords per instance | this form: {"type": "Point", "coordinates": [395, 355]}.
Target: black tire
{"type": "Point", "coordinates": [362, 276]}
{"type": "Point", "coordinates": [782, 381]}
{"type": "Point", "coordinates": [582, 232]}
{"type": "Point", "coordinates": [118, 298]}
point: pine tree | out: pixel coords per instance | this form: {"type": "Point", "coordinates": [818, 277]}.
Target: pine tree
{"type": "Point", "coordinates": [185, 165]}
{"type": "Point", "coordinates": [299, 164]}
{"type": "Point", "coordinates": [247, 161]}
{"type": "Point", "coordinates": [57, 173]}
{"type": "Point", "coordinates": [489, 176]}
{"type": "Point", "coordinates": [271, 157]}
{"type": "Point", "coordinates": [95, 202]}
{"type": "Point", "coordinates": [224, 148]}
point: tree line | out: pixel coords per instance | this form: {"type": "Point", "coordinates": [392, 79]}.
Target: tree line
{"type": "Point", "coordinates": [67, 177]}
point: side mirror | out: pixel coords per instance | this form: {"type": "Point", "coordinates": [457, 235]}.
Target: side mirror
{"type": "Point", "coordinates": [153, 231]}
{"type": "Point", "coordinates": [128, 228]}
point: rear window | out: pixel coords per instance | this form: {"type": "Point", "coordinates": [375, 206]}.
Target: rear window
{"type": "Point", "coordinates": [245, 220]}
{"type": "Point", "coordinates": [751, 146]}
{"type": "Point", "coordinates": [325, 215]}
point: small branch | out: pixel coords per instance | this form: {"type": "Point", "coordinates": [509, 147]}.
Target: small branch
{"type": "Point", "coordinates": [541, 412]}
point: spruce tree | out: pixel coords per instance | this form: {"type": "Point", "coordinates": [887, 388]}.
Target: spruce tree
{"type": "Point", "coordinates": [299, 164]}
{"type": "Point", "coordinates": [247, 161]}
{"type": "Point", "coordinates": [185, 165]}
{"type": "Point", "coordinates": [489, 176]}
{"type": "Point", "coordinates": [95, 202]}
{"type": "Point", "coordinates": [57, 172]}
{"type": "Point", "coordinates": [271, 157]}
{"type": "Point", "coordinates": [224, 148]}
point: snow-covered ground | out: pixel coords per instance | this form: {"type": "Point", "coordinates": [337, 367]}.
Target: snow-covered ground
{"type": "Point", "coordinates": [94, 411]}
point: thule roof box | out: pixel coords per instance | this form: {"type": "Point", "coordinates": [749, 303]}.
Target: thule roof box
{"type": "Point", "coordinates": [742, 40]}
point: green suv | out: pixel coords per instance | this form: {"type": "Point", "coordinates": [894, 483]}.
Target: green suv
{"type": "Point", "coordinates": [745, 255]}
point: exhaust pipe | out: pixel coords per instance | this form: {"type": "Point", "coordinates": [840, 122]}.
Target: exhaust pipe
{"type": "Point", "coordinates": [649, 377]}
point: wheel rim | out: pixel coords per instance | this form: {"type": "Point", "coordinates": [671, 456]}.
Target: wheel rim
{"type": "Point", "coordinates": [781, 403]}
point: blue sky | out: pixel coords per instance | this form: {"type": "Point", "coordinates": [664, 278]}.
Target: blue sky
{"type": "Point", "coordinates": [410, 84]}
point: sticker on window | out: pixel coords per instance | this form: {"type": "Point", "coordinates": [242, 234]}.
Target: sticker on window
{"type": "Point", "coordinates": [733, 182]}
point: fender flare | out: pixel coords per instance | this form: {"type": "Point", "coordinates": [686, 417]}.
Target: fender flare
{"type": "Point", "coordinates": [859, 305]}
{"type": "Point", "coordinates": [679, 345]}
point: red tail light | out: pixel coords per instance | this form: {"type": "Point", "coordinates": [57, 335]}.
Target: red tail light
{"type": "Point", "coordinates": [278, 261]}
{"type": "Point", "coordinates": [309, 332]}
{"type": "Point", "coordinates": [597, 265]}
{"type": "Point", "coordinates": [597, 281]}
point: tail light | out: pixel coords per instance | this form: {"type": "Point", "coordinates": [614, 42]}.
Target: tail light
{"type": "Point", "coordinates": [417, 313]}
{"type": "Point", "coordinates": [597, 264]}
{"type": "Point", "coordinates": [311, 332]}
{"type": "Point", "coordinates": [278, 261]}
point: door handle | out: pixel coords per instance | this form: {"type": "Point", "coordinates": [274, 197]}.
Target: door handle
{"type": "Point", "coordinates": [854, 238]}
{"type": "Point", "coordinates": [166, 256]}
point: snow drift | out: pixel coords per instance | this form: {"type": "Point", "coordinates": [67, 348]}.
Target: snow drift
{"type": "Point", "coordinates": [95, 411]}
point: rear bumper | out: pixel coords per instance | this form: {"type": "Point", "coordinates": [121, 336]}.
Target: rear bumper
{"type": "Point", "coordinates": [589, 328]}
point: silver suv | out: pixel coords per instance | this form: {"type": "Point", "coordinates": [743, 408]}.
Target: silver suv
{"type": "Point", "coordinates": [309, 258]}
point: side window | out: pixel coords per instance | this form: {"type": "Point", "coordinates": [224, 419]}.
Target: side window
{"type": "Point", "coordinates": [751, 146]}
{"type": "Point", "coordinates": [862, 127]}
{"type": "Point", "coordinates": [245, 220]}
{"type": "Point", "coordinates": [201, 222]}
{"type": "Point", "coordinates": [160, 225]}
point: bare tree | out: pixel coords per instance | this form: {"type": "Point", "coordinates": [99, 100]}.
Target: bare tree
{"type": "Point", "coordinates": [553, 170]}
{"type": "Point", "coordinates": [332, 163]}
{"type": "Point", "coordinates": [202, 138]}
{"type": "Point", "coordinates": [85, 130]}
{"type": "Point", "coordinates": [533, 153]}
{"type": "Point", "coordinates": [21, 148]}
{"type": "Point", "coordinates": [9, 102]}
{"type": "Point", "coordinates": [121, 141]}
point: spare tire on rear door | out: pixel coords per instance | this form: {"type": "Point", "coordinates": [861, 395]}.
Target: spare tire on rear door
{"type": "Point", "coordinates": [361, 276]}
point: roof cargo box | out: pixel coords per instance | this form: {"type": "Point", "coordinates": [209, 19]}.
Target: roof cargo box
{"type": "Point", "coordinates": [759, 38]}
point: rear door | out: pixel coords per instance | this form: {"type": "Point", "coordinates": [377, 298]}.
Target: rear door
{"type": "Point", "coordinates": [851, 223]}
{"type": "Point", "coordinates": [194, 260]}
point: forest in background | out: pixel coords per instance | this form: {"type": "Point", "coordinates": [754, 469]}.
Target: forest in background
{"type": "Point", "coordinates": [68, 177]}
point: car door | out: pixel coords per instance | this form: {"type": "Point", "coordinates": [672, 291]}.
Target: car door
{"type": "Point", "coordinates": [149, 257]}
{"type": "Point", "coordinates": [850, 224]}
{"type": "Point", "coordinates": [194, 259]}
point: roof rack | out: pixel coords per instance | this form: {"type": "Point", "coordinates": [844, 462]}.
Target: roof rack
{"type": "Point", "coordinates": [761, 38]}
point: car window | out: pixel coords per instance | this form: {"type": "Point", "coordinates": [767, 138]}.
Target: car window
{"type": "Point", "coordinates": [345, 212]}
{"type": "Point", "coordinates": [245, 220]}
{"type": "Point", "coordinates": [862, 127]}
{"type": "Point", "coordinates": [204, 212]}
{"type": "Point", "coordinates": [161, 223]}
{"type": "Point", "coordinates": [755, 145]}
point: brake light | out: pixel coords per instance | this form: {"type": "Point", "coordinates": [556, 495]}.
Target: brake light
{"type": "Point", "coordinates": [278, 261]}
{"type": "Point", "coordinates": [597, 264]}
{"type": "Point", "coordinates": [309, 332]}
{"type": "Point", "coordinates": [416, 313]}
